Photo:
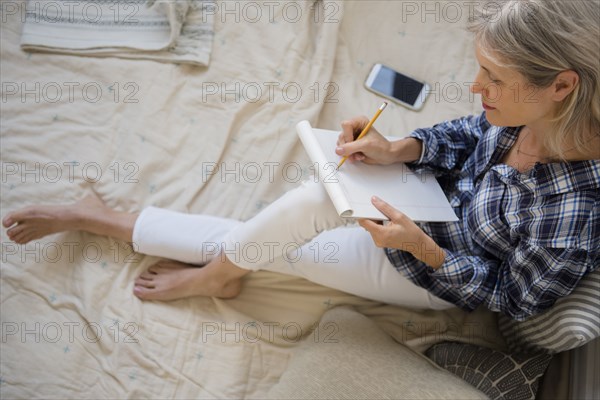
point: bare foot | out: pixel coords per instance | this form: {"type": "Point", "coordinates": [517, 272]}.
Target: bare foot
{"type": "Point", "coordinates": [171, 280]}
{"type": "Point", "coordinates": [34, 222]}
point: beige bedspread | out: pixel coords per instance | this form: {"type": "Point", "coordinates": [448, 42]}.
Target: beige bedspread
{"type": "Point", "coordinates": [142, 133]}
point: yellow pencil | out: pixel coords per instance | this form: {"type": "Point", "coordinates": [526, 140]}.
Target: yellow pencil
{"type": "Point", "coordinates": [366, 129]}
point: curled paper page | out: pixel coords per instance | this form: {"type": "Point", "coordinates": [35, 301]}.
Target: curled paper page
{"type": "Point", "coordinates": [326, 170]}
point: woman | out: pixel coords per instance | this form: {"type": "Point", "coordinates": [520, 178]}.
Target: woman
{"type": "Point", "coordinates": [524, 178]}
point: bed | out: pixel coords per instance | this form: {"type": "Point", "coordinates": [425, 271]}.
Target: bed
{"type": "Point", "coordinates": [218, 140]}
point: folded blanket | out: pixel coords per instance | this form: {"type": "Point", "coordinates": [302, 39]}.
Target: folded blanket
{"type": "Point", "coordinates": [165, 30]}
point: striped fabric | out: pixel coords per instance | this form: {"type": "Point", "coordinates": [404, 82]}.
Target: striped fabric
{"type": "Point", "coordinates": [573, 321]}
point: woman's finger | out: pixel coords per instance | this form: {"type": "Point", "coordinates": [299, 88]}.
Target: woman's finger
{"type": "Point", "coordinates": [386, 209]}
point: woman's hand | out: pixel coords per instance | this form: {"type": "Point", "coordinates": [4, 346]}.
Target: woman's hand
{"type": "Point", "coordinates": [373, 148]}
{"type": "Point", "coordinates": [402, 233]}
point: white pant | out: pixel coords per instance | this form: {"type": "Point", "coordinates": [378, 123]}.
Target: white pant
{"type": "Point", "coordinates": [299, 234]}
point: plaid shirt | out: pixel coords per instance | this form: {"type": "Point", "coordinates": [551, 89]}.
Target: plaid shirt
{"type": "Point", "coordinates": [523, 239]}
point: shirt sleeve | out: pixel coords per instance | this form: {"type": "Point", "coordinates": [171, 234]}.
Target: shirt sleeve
{"type": "Point", "coordinates": [448, 144]}
{"type": "Point", "coordinates": [527, 282]}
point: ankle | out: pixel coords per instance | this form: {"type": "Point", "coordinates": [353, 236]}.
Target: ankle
{"type": "Point", "coordinates": [230, 271]}
{"type": "Point", "coordinates": [223, 272]}
{"type": "Point", "coordinates": [72, 216]}
{"type": "Point", "coordinates": [93, 220]}
{"type": "Point", "coordinates": [231, 289]}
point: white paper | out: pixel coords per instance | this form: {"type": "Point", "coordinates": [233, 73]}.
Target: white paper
{"type": "Point", "coordinates": [419, 196]}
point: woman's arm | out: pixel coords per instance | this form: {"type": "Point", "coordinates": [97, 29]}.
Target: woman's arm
{"type": "Point", "coordinates": [446, 145]}
{"type": "Point", "coordinates": [527, 281]}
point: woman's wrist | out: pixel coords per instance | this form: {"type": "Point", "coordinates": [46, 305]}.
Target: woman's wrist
{"type": "Point", "coordinates": [429, 252]}
{"type": "Point", "coordinates": [407, 150]}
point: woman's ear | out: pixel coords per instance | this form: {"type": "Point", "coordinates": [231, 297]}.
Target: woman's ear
{"type": "Point", "coordinates": [564, 83]}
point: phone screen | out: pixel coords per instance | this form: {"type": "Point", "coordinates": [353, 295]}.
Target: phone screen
{"type": "Point", "coordinates": [394, 84]}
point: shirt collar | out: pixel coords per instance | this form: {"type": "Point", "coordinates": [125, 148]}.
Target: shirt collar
{"type": "Point", "coordinates": [500, 140]}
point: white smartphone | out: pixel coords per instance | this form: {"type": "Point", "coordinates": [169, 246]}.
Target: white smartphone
{"type": "Point", "coordinates": [397, 87]}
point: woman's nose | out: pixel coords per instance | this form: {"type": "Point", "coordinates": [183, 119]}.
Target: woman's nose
{"type": "Point", "coordinates": [476, 87]}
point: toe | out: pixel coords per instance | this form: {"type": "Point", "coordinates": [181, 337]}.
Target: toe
{"type": "Point", "coordinates": [146, 276]}
{"type": "Point", "coordinates": [35, 235]}
{"type": "Point", "coordinates": [144, 283]}
{"type": "Point", "coordinates": [14, 231]}
{"type": "Point", "coordinates": [167, 265]}
{"type": "Point", "coordinates": [159, 270]}
{"type": "Point", "coordinates": [19, 238]}
{"type": "Point", "coordinates": [22, 214]}
{"type": "Point", "coordinates": [142, 292]}
{"type": "Point", "coordinates": [8, 221]}
{"type": "Point", "coordinates": [26, 238]}
{"type": "Point", "coordinates": [154, 268]}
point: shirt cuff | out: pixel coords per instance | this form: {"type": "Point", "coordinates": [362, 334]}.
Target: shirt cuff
{"type": "Point", "coordinates": [422, 152]}
{"type": "Point", "coordinates": [425, 157]}
{"type": "Point", "coordinates": [420, 160]}
{"type": "Point", "coordinates": [454, 271]}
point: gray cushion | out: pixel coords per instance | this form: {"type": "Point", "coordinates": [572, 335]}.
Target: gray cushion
{"type": "Point", "coordinates": [351, 358]}
{"type": "Point", "coordinates": [572, 322]}
{"type": "Point", "coordinates": [497, 374]}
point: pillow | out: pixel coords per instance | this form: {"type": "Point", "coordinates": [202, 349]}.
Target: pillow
{"type": "Point", "coordinates": [352, 358]}
{"type": "Point", "coordinates": [497, 374]}
{"type": "Point", "coordinates": [573, 321]}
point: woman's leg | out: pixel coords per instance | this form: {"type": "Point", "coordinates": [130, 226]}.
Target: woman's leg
{"type": "Point", "coordinates": [288, 223]}
{"type": "Point", "coordinates": [231, 249]}
{"type": "Point", "coordinates": [192, 240]}
{"type": "Point", "coordinates": [89, 214]}
{"type": "Point", "coordinates": [188, 238]}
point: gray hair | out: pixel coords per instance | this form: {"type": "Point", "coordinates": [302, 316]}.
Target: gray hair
{"type": "Point", "coordinates": [540, 39]}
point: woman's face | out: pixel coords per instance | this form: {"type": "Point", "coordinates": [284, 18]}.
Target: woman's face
{"type": "Point", "coordinates": [508, 99]}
